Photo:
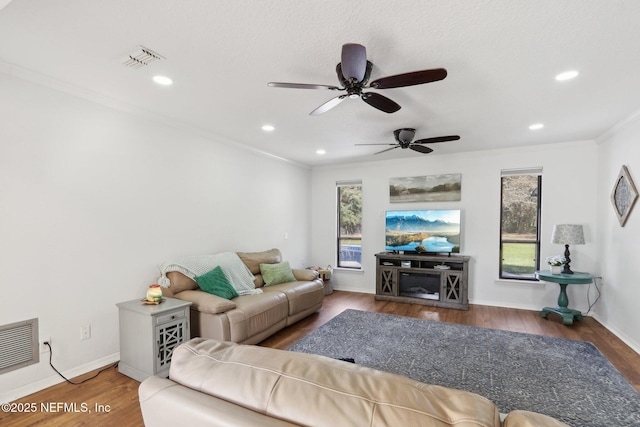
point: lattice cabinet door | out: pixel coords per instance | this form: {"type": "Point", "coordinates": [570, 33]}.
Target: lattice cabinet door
{"type": "Point", "coordinates": [453, 289]}
{"type": "Point", "coordinates": [386, 281]}
{"type": "Point", "coordinates": [169, 336]}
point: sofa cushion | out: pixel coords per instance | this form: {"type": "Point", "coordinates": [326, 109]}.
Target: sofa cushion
{"type": "Point", "coordinates": [258, 280]}
{"type": "Point", "coordinates": [180, 282]}
{"type": "Point", "coordinates": [271, 381]}
{"type": "Point", "coordinates": [254, 259]}
{"type": "Point", "coordinates": [205, 302]}
{"type": "Point", "coordinates": [301, 296]}
{"type": "Point", "coordinates": [304, 274]}
{"type": "Point", "coordinates": [277, 273]}
{"type": "Point", "coordinates": [216, 283]}
{"type": "Point", "coordinates": [257, 313]}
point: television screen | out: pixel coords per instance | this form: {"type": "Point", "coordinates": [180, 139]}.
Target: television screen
{"type": "Point", "coordinates": [435, 230]}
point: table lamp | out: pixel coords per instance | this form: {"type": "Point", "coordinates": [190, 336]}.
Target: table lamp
{"type": "Point", "coordinates": [567, 234]}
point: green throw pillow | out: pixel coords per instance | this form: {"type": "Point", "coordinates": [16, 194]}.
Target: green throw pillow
{"type": "Point", "coordinates": [216, 283]}
{"type": "Point", "coordinates": [276, 273]}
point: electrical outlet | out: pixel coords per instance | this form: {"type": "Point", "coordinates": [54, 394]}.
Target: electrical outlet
{"type": "Point", "coordinates": [85, 332]}
{"type": "Point", "coordinates": [43, 347]}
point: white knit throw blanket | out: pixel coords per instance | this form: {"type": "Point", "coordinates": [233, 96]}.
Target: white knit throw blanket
{"type": "Point", "coordinates": [236, 271]}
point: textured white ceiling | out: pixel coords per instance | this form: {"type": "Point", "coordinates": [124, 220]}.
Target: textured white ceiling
{"type": "Point", "coordinates": [501, 56]}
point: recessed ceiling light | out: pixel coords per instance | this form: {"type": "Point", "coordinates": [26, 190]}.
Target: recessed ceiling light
{"type": "Point", "coordinates": [567, 75]}
{"type": "Point", "coordinates": [536, 126]}
{"type": "Point", "coordinates": [268, 128]}
{"type": "Point", "coordinates": [321, 152]}
{"type": "Point", "coordinates": [162, 80]}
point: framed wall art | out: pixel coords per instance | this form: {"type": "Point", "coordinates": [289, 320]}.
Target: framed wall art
{"type": "Point", "coordinates": [430, 188]}
{"type": "Point", "coordinates": [623, 195]}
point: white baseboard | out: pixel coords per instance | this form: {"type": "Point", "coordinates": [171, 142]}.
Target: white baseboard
{"type": "Point", "coordinates": [54, 379]}
{"type": "Point", "coordinates": [628, 341]}
{"type": "Point", "coordinates": [533, 307]}
{"type": "Point", "coordinates": [635, 346]}
{"type": "Point", "coordinates": [359, 290]}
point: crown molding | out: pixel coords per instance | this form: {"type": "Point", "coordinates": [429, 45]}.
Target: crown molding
{"type": "Point", "coordinates": [102, 99]}
{"type": "Point", "coordinates": [617, 127]}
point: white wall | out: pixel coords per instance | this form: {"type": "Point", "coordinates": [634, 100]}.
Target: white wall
{"type": "Point", "coordinates": [92, 199]}
{"type": "Point", "coordinates": [620, 246]}
{"type": "Point", "coordinates": [568, 196]}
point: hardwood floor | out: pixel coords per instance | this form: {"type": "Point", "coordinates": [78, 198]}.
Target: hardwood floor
{"type": "Point", "coordinates": [116, 395]}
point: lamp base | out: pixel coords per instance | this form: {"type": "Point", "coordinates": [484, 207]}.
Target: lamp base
{"type": "Point", "coordinates": [566, 269]}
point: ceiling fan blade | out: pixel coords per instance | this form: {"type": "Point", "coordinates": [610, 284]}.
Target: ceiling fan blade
{"type": "Point", "coordinates": [301, 86]}
{"type": "Point", "coordinates": [375, 144]}
{"type": "Point", "coordinates": [380, 102]}
{"type": "Point", "coordinates": [409, 79]}
{"type": "Point", "coordinates": [388, 149]}
{"type": "Point", "coordinates": [437, 139]}
{"type": "Point", "coordinates": [420, 148]}
{"type": "Point", "coordinates": [354, 61]}
{"type": "Point", "coordinates": [328, 105]}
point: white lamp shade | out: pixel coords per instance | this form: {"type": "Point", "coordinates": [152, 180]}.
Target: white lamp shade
{"type": "Point", "coordinates": [567, 234]}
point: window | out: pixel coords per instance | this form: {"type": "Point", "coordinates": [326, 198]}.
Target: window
{"type": "Point", "coordinates": [349, 242]}
{"type": "Point", "coordinates": [521, 193]}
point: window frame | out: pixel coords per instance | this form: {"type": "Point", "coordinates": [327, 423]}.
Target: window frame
{"type": "Point", "coordinates": [523, 278]}
{"type": "Point", "coordinates": [339, 236]}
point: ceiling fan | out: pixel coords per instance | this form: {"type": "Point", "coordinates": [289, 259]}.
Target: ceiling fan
{"type": "Point", "coordinates": [404, 137]}
{"type": "Point", "coordinates": [354, 72]}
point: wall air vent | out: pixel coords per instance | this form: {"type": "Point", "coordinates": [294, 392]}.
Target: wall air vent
{"type": "Point", "coordinates": [141, 57]}
{"type": "Point", "coordinates": [18, 345]}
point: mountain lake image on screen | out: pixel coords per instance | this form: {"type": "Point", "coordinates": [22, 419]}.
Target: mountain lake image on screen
{"type": "Point", "coordinates": [436, 231]}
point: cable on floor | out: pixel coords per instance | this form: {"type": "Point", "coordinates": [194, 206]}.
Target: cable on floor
{"type": "Point", "coordinates": [68, 380]}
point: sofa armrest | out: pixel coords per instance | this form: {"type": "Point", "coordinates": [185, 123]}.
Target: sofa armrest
{"type": "Point", "coordinates": [166, 403]}
{"type": "Point", "coordinates": [206, 302]}
{"type": "Point", "coordinates": [304, 274]}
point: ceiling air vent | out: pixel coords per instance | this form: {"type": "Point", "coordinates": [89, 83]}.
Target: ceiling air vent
{"type": "Point", "coordinates": [141, 57]}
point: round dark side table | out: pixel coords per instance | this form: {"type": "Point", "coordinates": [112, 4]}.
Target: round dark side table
{"type": "Point", "coordinates": [563, 280]}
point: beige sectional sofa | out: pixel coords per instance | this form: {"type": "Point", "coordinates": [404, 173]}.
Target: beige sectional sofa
{"type": "Point", "coordinates": [249, 318]}
{"type": "Point", "coordinates": [213, 383]}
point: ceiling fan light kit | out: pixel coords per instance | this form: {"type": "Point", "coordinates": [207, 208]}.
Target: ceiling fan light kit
{"type": "Point", "coordinates": [354, 57]}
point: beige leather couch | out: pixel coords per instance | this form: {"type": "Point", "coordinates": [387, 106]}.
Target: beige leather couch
{"type": "Point", "coordinates": [249, 319]}
{"type": "Point", "coordinates": [213, 383]}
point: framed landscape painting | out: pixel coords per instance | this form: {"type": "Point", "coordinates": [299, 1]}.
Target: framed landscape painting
{"type": "Point", "coordinates": [430, 188]}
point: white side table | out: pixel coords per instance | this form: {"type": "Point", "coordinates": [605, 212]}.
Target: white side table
{"type": "Point", "coordinates": [148, 335]}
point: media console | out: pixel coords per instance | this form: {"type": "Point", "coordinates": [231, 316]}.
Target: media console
{"type": "Point", "coordinates": [436, 280]}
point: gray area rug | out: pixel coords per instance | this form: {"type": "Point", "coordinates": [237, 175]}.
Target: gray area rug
{"type": "Point", "coordinates": [568, 380]}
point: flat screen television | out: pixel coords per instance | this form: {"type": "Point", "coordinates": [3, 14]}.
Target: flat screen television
{"type": "Point", "coordinates": [438, 231]}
